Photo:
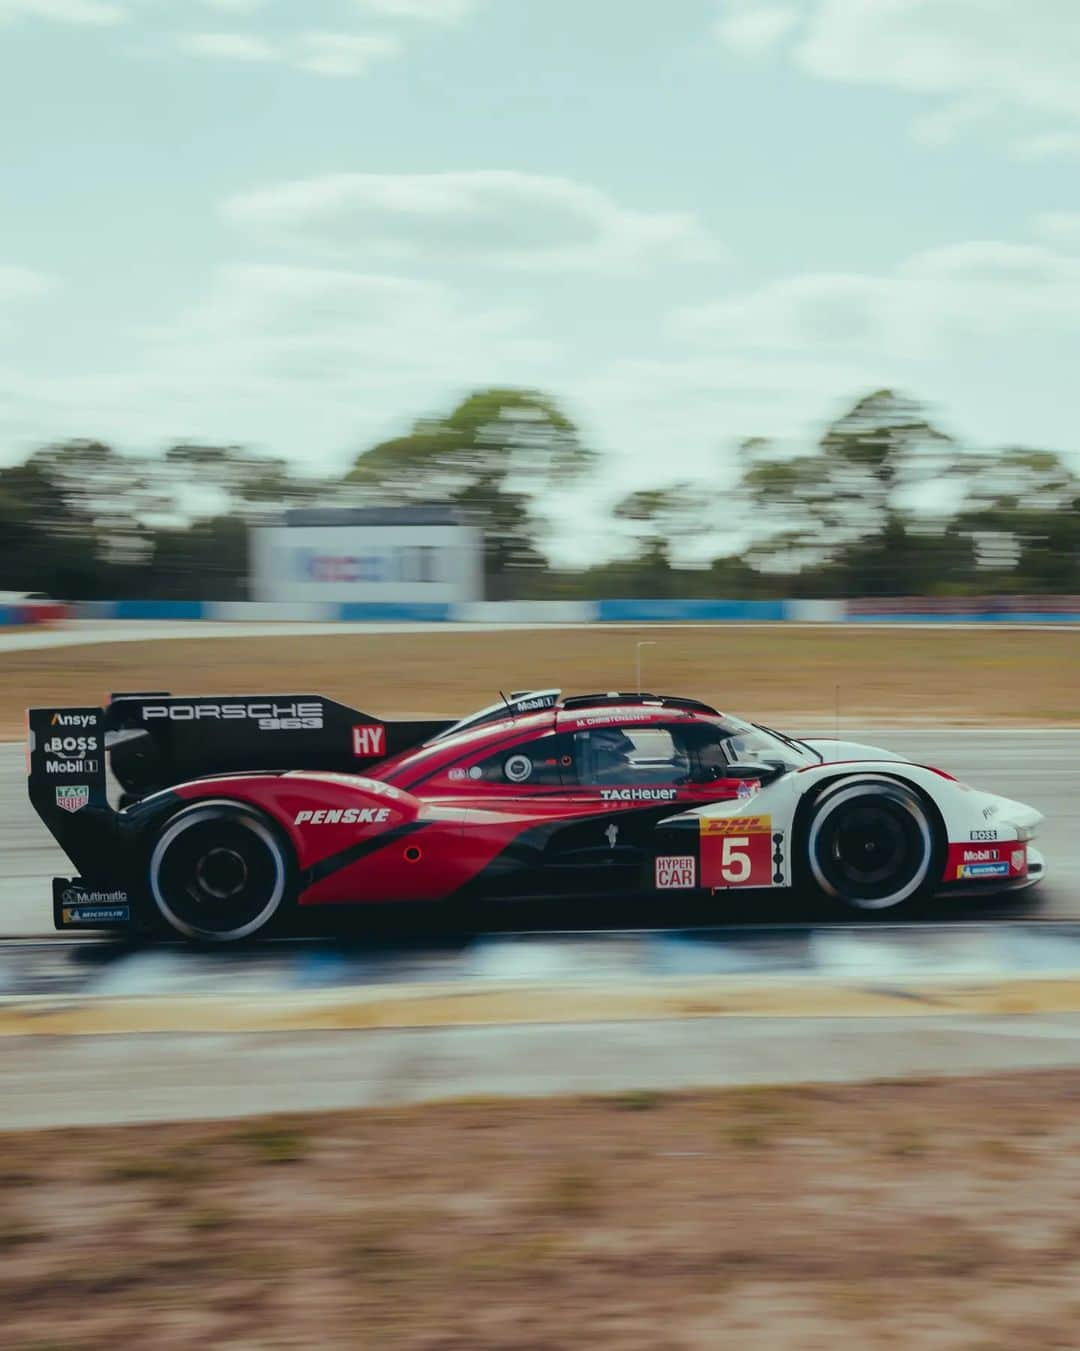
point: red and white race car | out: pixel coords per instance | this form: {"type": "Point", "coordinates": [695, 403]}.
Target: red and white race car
{"type": "Point", "coordinates": [232, 811]}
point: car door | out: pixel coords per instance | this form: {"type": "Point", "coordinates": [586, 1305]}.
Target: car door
{"type": "Point", "coordinates": [622, 780]}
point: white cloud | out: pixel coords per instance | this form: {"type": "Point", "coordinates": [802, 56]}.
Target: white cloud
{"type": "Point", "coordinates": [331, 54]}
{"type": "Point", "coordinates": [23, 283]}
{"type": "Point", "coordinates": [235, 6]}
{"type": "Point", "coordinates": [343, 54]}
{"type": "Point", "coordinates": [437, 11]}
{"type": "Point", "coordinates": [20, 287]}
{"type": "Point", "coordinates": [964, 293]}
{"type": "Point", "coordinates": [1048, 145]}
{"type": "Point", "coordinates": [496, 217]}
{"type": "Point", "coordinates": [63, 11]}
{"type": "Point", "coordinates": [230, 46]}
{"type": "Point", "coordinates": [1061, 226]}
{"type": "Point", "coordinates": [310, 361]}
{"type": "Point", "coordinates": [749, 27]}
{"type": "Point", "coordinates": [1023, 57]}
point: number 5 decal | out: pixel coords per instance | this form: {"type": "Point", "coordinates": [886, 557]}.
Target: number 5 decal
{"type": "Point", "coordinates": [735, 859]}
{"type": "Point", "coordinates": [736, 851]}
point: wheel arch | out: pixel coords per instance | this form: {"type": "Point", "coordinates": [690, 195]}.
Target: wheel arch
{"type": "Point", "coordinates": [805, 806]}
{"type": "Point", "coordinates": [156, 833]}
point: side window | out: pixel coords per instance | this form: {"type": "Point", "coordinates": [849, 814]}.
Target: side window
{"type": "Point", "coordinates": [630, 755]}
{"type": "Point", "coordinates": [705, 746]}
{"type": "Point", "coordinates": [533, 764]}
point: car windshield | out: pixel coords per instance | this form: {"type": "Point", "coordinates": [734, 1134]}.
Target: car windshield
{"type": "Point", "coordinates": [750, 741]}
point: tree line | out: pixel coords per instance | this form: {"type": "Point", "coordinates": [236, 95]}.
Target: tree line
{"type": "Point", "coordinates": [885, 504]}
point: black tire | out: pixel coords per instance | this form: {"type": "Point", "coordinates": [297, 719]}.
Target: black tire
{"type": "Point", "coordinates": [219, 872]}
{"type": "Point", "coordinates": [870, 844]}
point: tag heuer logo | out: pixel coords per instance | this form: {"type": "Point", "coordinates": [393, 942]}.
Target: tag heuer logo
{"type": "Point", "coordinates": [72, 797]}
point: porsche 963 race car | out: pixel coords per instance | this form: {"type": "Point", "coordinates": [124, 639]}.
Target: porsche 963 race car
{"type": "Point", "coordinates": [214, 818]}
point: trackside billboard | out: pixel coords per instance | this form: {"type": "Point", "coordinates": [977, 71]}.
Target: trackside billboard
{"type": "Point", "coordinates": [373, 557]}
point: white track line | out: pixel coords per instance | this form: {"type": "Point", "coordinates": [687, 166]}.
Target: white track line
{"type": "Point", "coordinates": [79, 633]}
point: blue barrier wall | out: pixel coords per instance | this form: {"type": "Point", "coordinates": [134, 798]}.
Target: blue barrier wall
{"type": "Point", "coordinates": [651, 611]}
{"type": "Point", "coordinates": [564, 612]}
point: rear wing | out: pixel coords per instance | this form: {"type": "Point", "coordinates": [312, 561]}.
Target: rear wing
{"type": "Point", "coordinates": [68, 784]}
{"type": "Point", "coordinates": [151, 741]}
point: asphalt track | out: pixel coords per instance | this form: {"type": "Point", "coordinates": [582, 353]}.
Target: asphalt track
{"type": "Point", "coordinates": [1038, 766]}
{"type": "Point", "coordinates": [52, 1081]}
{"type": "Point", "coordinates": [170, 1033]}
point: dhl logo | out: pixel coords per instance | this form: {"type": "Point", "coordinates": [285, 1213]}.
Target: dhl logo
{"type": "Point", "coordinates": [736, 825]}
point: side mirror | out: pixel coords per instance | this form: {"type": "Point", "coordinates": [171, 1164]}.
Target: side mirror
{"type": "Point", "coordinates": [744, 769]}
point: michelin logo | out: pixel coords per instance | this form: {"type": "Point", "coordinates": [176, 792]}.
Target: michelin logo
{"type": "Point", "coordinates": [83, 905]}
{"type": "Point", "coordinates": [983, 870]}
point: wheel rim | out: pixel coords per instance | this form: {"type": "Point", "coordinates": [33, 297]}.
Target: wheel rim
{"type": "Point", "coordinates": [217, 876]}
{"type": "Point", "coordinates": [871, 848]}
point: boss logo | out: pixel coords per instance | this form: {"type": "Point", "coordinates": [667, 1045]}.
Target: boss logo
{"type": "Point", "coordinates": [70, 745]}
{"type": "Point", "coordinates": [269, 716]}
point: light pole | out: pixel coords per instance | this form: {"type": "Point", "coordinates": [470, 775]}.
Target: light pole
{"type": "Point", "coordinates": [637, 660]}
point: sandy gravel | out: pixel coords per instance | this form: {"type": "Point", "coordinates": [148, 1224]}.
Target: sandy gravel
{"type": "Point", "coordinates": [789, 675]}
{"type": "Point", "coordinates": [919, 1214]}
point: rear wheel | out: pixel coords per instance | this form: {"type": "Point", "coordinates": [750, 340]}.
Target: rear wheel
{"type": "Point", "coordinates": [219, 872]}
{"type": "Point", "coordinates": [871, 844]}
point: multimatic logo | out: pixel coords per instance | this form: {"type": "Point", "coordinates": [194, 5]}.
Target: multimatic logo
{"type": "Point", "coordinates": [80, 896]}
{"type": "Point", "coordinates": [268, 716]}
{"type": "Point", "coordinates": [84, 905]}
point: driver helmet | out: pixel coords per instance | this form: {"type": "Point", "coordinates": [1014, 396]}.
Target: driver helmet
{"type": "Point", "coordinates": [611, 743]}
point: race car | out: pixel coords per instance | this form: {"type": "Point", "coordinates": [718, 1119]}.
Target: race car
{"type": "Point", "coordinates": [215, 818]}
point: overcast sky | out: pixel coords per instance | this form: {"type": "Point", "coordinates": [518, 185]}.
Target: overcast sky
{"type": "Point", "coordinates": [298, 224]}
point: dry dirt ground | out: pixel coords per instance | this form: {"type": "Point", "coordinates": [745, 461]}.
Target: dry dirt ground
{"type": "Point", "coordinates": [929, 1214]}
{"type": "Point", "coordinates": [788, 675]}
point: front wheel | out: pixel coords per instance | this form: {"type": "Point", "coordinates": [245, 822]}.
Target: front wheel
{"type": "Point", "coordinates": [218, 872]}
{"type": "Point", "coordinates": [870, 844]}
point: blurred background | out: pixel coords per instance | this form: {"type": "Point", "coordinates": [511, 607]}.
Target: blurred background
{"type": "Point", "coordinates": [725, 298]}
{"type": "Point", "coordinates": [650, 310]}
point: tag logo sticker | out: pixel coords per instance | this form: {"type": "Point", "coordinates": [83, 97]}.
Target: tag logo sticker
{"type": "Point", "coordinates": [72, 797]}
